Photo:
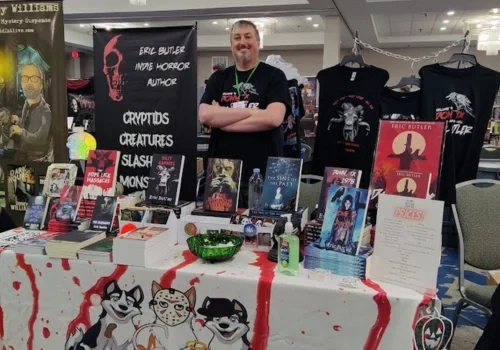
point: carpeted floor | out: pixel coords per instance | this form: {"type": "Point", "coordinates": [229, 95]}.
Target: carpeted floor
{"type": "Point", "coordinates": [466, 335]}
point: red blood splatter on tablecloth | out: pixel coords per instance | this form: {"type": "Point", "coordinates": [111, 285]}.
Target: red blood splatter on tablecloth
{"type": "Point", "coordinates": [202, 274]}
{"type": "Point", "coordinates": [83, 315]}
{"type": "Point", "coordinates": [49, 265]}
{"type": "Point", "coordinates": [16, 285]}
{"type": "Point", "coordinates": [169, 276]}
{"type": "Point", "coordinates": [220, 272]}
{"type": "Point", "coordinates": [341, 289]}
{"type": "Point", "coordinates": [327, 313]}
{"type": "Point", "coordinates": [337, 328]}
{"type": "Point", "coordinates": [46, 332]}
{"type": "Point", "coordinates": [194, 281]}
{"type": "Point", "coordinates": [176, 244]}
{"type": "Point", "coordinates": [200, 321]}
{"type": "Point", "coordinates": [426, 300]}
{"type": "Point", "coordinates": [34, 292]}
{"type": "Point", "coordinates": [65, 264]}
{"type": "Point", "coordinates": [383, 317]}
{"type": "Point", "coordinates": [261, 324]}
{"type": "Point", "coordinates": [303, 332]}
{"type": "Point", "coordinates": [76, 281]}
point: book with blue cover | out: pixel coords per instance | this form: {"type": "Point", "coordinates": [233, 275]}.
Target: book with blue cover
{"type": "Point", "coordinates": [34, 214]}
{"type": "Point", "coordinates": [344, 219]}
{"type": "Point", "coordinates": [282, 184]}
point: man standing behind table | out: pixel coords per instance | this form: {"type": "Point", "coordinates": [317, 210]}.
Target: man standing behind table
{"type": "Point", "coordinates": [33, 128]}
{"type": "Point", "coordinates": [245, 105]}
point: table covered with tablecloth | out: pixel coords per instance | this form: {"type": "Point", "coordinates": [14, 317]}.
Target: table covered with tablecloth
{"type": "Point", "coordinates": [184, 303]}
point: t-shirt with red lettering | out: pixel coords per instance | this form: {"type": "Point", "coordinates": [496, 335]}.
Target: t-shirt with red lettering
{"type": "Point", "coordinates": [266, 85]}
{"type": "Point", "coordinates": [348, 120]}
{"type": "Point", "coordinates": [463, 98]}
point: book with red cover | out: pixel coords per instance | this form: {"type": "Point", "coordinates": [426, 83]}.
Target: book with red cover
{"type": "Point", "coordinates": [410, 146]}
{"type": "Point", "coordinates": [336, 176]}
{"type": "Point", "coordinates": [100, 174]}
{"type": "Point", "coordinates": [408, 183]}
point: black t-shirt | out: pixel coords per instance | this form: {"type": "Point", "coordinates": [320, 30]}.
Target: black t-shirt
{"type": "Point", "coordinates": [348, 120]}
{"type": "Point", "coordinates": [464, 98]}
{"type": "Point", "coordinates": [291, 125]}
{"type": "Point", "coordinates": [397, 105]}
{"type": "Point", "coordinates": [267, 85]}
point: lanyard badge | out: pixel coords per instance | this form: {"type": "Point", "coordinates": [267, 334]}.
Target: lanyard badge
{"type": "Point", "coordinates": [248, 79]}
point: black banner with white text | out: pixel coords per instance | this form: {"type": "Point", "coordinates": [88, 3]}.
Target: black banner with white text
{"type": "Point", "coordinates": [145, 99]}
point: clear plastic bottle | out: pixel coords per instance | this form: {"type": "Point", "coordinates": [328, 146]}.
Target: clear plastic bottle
{"type": "Point", "coordinates": [288, 250]}
{"type": "Point", "coordinates": [255, 187]}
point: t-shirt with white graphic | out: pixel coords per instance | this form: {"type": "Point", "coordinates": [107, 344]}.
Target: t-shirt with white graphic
{"type": "Point", "coordinates": [463, 98]}
{"type": "Point", "coordinates": [348, 120]}
{"type": "Point", "coordinates": [266, 85]}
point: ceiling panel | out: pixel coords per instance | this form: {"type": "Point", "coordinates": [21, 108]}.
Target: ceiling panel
{"type": "Point", "coordinates": [425, 16]}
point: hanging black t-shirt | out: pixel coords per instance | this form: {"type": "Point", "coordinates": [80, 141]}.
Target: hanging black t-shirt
{"type": "Point", "coordinates": [348, 120]}
{"type": "Point", "coordinates": [464, 98]}
{"type": "Point", "coordinates": [291, 125]}
{"type": "Point", "coordinates": [267, 85]}
{"type": "Point", "coordinates": [398, 105]}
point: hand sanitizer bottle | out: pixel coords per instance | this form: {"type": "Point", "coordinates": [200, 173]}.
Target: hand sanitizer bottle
{"type": "Point", "coordinates": [288, 250]}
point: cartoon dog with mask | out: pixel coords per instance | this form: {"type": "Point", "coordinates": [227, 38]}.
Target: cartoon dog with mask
{"type": "Point", "coordinates": [115, 328]}
{"type": "Point", "coordinates": [173, 309]}
{"type": "Point", "coordinates": [228, 321]}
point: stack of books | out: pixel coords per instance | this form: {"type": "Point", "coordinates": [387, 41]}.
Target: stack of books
{"type": "Point", "coordinates": [337, 263]}
{"type": "Point", "coordinates": [98, 251]}
{"type": "Point", "coordinates": [143, 246]}
{"type": "Point", "coordinates": [9, 239]}
{"type": "Point", "coordinates": [35, 245]}
{"type": "Point", "coordinates": [68, 244]}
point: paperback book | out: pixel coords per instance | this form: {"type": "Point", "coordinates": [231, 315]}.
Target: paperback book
{"type": "Point", "coordinates": [407, 146]}
{"type": "Point", "coordinates": [165, 179]}
{"type": "Point", "coordinates": [20, 186]}
{"type": "Point", "coordinates": [51, 205]}
{"type": "Point", "coordinates": [408, 183]}
{"type": "Point", "coordinates": [100, 174]}
{"type": "Point", "coordinates": [68, 244]}
{"type": "Point", "coordinates": [66, 209]}
{"type": "Point", "coordinates": [35, 245]}
{"type": "Point", "coordinates": [223, 185]}
{"type": "Point", "coordinates": [344, 219]}
{"type": "Point", "coordinates": [104, 213]}
{"type": "Point", "coordinates": [281, 185]}
{"type": "Point", "coordinates": [134, 214]}
{"type": "Point", "coordinates": [57, 176]}
{"type": "Point", "coordinates": [33, 219]}
{"type": "Point", "coordinates": [98, 251]}
{"type": "Point", "coordinates": [336, 176]}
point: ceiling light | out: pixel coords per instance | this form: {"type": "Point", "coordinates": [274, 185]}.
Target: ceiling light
{"type": "Point", "coordinates": [446, 21]}
{"type": "Point", "coordinates": [450, 13]}
{"type": "Point", "coordinates": [443, 28]}
{"type": "Point", "coordinates": [82, 25]}
{"type": "Point", "coordinates": [479, 25]}
{"type": "Point", "coordinates": [227, 28]}
{"type": "Point", "coordinates": [146, 24]}
{"type": "Point", "coordinates": [315, 25]}
{"type": "Point", "coordinates": [309, 18]}
{"type": "Point", "coordinates": [108, 28]}
{"type": "Point", "coordinates": [495, 11]}
{"type": "Point", "coordinates": [215, 22]}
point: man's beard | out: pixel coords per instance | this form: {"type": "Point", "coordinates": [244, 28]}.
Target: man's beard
{"type": "Point", "coordinates": [243, 57]}
{"type": "Point", "coordinates": [31, 95]}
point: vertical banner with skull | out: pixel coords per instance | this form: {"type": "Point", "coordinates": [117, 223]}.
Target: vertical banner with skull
{"type": "Point", "coordinates": [145, 95]}
{"type": "Point", "coordinates": [32, 81]}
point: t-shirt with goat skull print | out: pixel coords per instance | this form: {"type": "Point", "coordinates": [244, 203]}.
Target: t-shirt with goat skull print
{"type": "Point", "coordinates": [348, 119]}
{"type": "Point", "coordinates": [464, 98]}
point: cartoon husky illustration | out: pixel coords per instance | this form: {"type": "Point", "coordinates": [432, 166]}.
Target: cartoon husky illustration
{"type": "Point", "coordinates": [115, 328]}
{"type": "Point", "coordinates": [228, 321]}
{"type": "Point", "coordinates": [172, 308]}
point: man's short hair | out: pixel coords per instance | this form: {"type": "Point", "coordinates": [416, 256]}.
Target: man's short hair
{"type": "Point", "coordinates": [38, 67]}
{"type": "Point", "coordinates": [245, 23]}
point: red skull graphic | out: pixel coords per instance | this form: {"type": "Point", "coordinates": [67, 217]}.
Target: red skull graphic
{"type": "Point", "coordinates": [112, 61]}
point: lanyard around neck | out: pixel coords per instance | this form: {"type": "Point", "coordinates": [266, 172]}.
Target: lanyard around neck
{"type": "Point", "coordinates": [237, 80]}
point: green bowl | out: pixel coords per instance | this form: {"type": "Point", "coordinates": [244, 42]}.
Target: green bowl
{"type": "Point", "coordinates": [205, 246]}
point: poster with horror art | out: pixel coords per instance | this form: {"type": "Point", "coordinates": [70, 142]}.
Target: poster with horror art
{"type": "Point", "coordinates": [32, 80]}
{"type": "Point", "coordinates": [145, 96]}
